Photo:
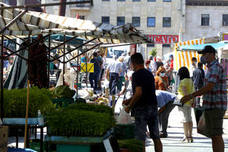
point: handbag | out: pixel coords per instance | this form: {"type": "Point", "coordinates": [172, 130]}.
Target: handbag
{"type": "Point", "coordinates": [202, 128]}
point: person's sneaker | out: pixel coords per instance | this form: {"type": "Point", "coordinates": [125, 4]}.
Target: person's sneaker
{"type": "Point", "coordinates": [163, 135]}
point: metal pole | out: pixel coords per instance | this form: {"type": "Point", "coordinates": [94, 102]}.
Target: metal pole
{"type": "Point", "coordinates": [64, 47]}
{"type": "Point", "coordinates": [62, 8]}
{"type": "Point", "coordinates": [2, 62]}
{"type": "Point", "coordinates": [78, 70]}
{"type": "Point", "coordinates": [49, 55]}
{"type": "Point", "coordinates": [27, 104]}
{"type": "Point", "coordinates": [13, 21]}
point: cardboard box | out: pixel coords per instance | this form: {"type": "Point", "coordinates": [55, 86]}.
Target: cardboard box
{"type": "Point", "coordinates": [3, 138]}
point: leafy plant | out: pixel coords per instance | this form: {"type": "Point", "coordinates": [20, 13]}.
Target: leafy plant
{"type": "Point", "coordinates": [15, 102]}
{"type": "Point", "coordinates": [63, 91]}
{"type": "Point", "coordinates": [153, 52]}
{"type": "Point", "coordinates": [90, 120]}
{"type": "Point", "coordinates": [132, 145]}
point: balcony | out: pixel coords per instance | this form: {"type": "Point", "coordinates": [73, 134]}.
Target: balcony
{"type": "Point", "coordinates": [81, 6]}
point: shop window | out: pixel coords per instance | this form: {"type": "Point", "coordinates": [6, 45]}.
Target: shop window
{"type": "Point", "coordinates": [136, 21]}
{"type": "Point", "coordinates": [167, 0]}
{"type": "Point", "coordinates": [151, 22]}
{"type": "Point", "coordinates": [225, 19]}
{"type": "Point", "coordinates": [205, 18]}
{"type": "Point", "coordinates": [136, 0]}
{"type": "Point", "coordinates": [165, 45]}
{"type": "Point", "coordinates": [151, 0]}
{"type": "Point", "coordinates": [121, 0]}
{"type": "Point", "coordinates": [166, 21]}
{"type": "Point", "coordinates": [150, 45]}
{"type": "Point", "coordinates": [105, 19]}
{"type": "Point", "coordinates": [120, 20]}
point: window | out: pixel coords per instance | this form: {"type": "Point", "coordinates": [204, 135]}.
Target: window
{"type": "Point", "coordinates": [105, 0]}
{"type": "Point", "coordinates": [136, 21]}
{"type": "Point", "coordinates": [82, 17]}
{"type": "Point", "coordinates": [150, 45]}
{"type": "Point", "coordinates": [166, 21]}
{"type": "Point", "coordinates": [167, 0]}
{"type": "Point", "coordinates": [150, 21]}
{"type": "Point", "coordinates": [136, 0]}
{"type": "Point", "coordinates": [225, 19]}
{"type": "Point", "coordinates": [151, 0]}
{"type": "Point", "coordinates": [205, 19]}
{"type": "Point", "coordinates": [120, 20]}
{"type": "Point", "coordinates": [105, 19]}
{"type": "Point", "coordinates": [121, 0]}
{"type": "Point", "coordinates": [165, 45]}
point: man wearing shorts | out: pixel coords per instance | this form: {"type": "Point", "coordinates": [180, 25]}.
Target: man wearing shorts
{"type": "Point", "coordinates": [144, 102]}
{"type": "Point", "coordinates": [214, 97]}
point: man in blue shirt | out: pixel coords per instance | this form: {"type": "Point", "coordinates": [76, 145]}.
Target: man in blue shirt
{"type": "Point", "coordinates": [165, 102]}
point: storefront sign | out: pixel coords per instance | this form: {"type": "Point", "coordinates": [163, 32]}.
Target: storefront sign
{"type": "Point", "coordinates": [164, 39]}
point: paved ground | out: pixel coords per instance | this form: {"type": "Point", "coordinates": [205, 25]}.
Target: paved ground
{"type": "Point", "coordinates": [175, 134]}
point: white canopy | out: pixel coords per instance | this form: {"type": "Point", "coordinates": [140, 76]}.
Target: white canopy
{"type": "Point", "coordinates": [36, 23]}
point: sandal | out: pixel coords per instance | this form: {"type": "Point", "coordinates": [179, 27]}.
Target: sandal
{"type": "Point", "coordinates": [190, 140]}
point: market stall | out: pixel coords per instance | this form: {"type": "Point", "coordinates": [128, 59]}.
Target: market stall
{"type": "Point", "coordinates": [19, 23]}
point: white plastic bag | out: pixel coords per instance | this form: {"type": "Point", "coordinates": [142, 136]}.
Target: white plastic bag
{"type": "Point", "coordinates": [124, 117]}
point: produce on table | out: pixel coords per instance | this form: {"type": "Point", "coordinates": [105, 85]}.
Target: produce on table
{"type": "Point", "coordinates": [132, 145]}
{"type": "Point", "coordinates": [15, 102]}
{"type": "Point", "coordinates": [63, 91]}
{"type": "Point", "coordinates": [80, 120]}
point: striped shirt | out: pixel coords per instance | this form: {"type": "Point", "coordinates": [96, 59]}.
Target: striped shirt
{"type": "Point", "coordinates": [217, 97]}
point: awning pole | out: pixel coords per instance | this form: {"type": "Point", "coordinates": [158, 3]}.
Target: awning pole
{"type": "Point", "coordinates": [2, 65]}
{"type": "Point", "coordinates": [27, 104]}
{"type": "Point", "coordinates": [13, 21]}
{"type": "Point", "coordinates": [64, 47]}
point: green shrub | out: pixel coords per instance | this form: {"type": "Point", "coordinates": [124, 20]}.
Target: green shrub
{"type": "Point", "coordinates": [73, 121]}
{"type": "Point", "coordinates": [15, 102]}
{"type": "Point", "coordinates": [63, 91]}
{"type": "Point", "coordinates": [132, 145]}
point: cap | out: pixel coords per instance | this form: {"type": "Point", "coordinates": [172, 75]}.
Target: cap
{"type": "Point", "coordinates": [207, 49]}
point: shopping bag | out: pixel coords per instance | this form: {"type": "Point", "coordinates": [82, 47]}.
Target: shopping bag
{"type": "Point", "coordinates": [124, 117]}
{"type": "Point", "coordinates": [201, 128]}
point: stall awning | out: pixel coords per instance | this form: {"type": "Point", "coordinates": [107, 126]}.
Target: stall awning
{"type": "Point", "coordinates": [201, 46]}
{"type": "Point", "coordinates": [35, 23]}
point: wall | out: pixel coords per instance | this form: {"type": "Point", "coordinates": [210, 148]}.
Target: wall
{"type": "Point", "coordinates": [193, 21]}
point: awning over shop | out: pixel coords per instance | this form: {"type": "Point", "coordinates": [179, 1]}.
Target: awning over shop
{"type": "Point", "coordinates": [184, 53]}
{"type": "Point", "coordinates": [36, 23]}
{"type": "Point", "coordinates": [201, 46]}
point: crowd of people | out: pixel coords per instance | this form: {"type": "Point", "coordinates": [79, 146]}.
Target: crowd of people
{"type": "Point", "coordinates": [147, 89]}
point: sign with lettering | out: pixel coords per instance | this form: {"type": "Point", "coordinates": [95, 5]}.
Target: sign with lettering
{"type": "Point", "coordinates": [164, 39]}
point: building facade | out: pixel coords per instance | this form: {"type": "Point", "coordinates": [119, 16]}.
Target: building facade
{"type": "Point", "coordinates": [159, 19]}
{"type": "Point", "coordinates": [205, 18]}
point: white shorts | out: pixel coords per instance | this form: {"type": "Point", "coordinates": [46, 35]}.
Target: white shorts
{"type": "Point", "coordinates": [186, 113]}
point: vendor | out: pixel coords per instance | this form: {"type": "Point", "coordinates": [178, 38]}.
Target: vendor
{"type": "Point", "coordinates": [165, 101]}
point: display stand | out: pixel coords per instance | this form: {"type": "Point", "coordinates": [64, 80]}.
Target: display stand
{"type": "Point", "coordinates": [17, 123]}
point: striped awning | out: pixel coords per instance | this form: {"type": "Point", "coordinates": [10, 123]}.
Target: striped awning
{"type": "Point", "coordinates": [36, 23]}
{"type": "Point", "coordinates": [184, 57]}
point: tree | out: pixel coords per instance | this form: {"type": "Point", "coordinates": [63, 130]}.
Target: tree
{"type": "Point", "coordinates": [153, 52]}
